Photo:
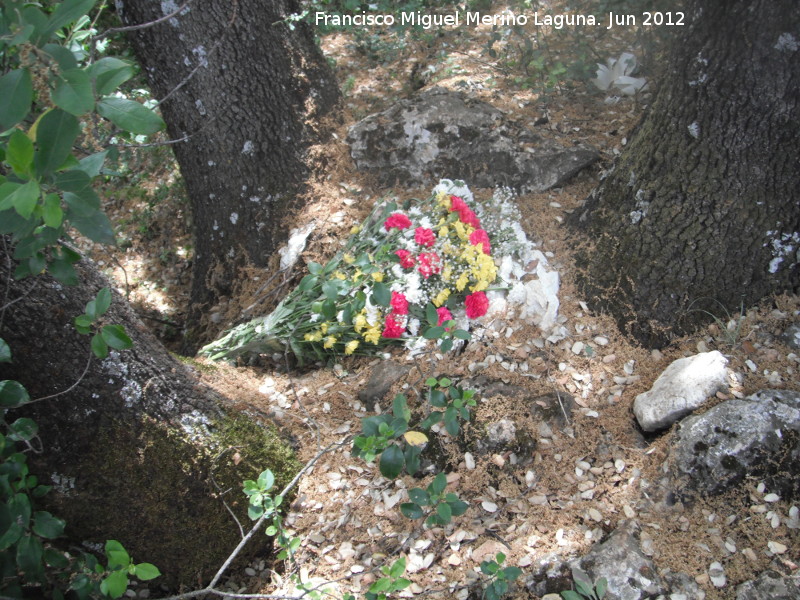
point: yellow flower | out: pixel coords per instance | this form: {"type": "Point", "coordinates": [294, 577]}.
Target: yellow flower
{"type": "Point", "coordinates": [340, 275]}
{"type": "Point", "coordinates": [447, 273]}
{"type": "Point", "coordinates": [329, 341]}
{"type": "Point", "coordinates": [323, 328]}
{"type": "Point", "coordinates": [357, 275]}
{"type": "Point", "coordinates": [480, 286]}
{"type": "Point", "coordinates": [444, 199]}
{"type": "Point", "coordinates": [461, 282]}
{"type": "Point", "coordinates": [377, 276]}
{"type": "Point", "coordinates": [360, 322]}
{"type": "Point", "coordinates": [441, 297]}
{"type": "Point", "coordinates": [313, 337]}
{"type": "Point", "coordinates": [444, 232]}
{"type": "Point", "coordinates": [348, 259]}
{"type": "Point", "coordinates": [355, 229]}
{"type": "Point", "coordinates": [373, 334]}
{"type": "Point", "coordinates": [350, 347]}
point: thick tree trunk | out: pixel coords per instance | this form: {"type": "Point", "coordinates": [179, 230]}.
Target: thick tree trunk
{"type": "Point", "coordinates": [701, 211]}
{"type": "Point", "coordinates": [130, 447]}
{"type": "Point", "coordinates": [247, 89]}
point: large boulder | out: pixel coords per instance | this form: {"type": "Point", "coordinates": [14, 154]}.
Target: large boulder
{"type": "Point", "coordinates": [756, 436]}
{"type": "Point", "coordinates": [441, 133]}
{"type": "Point", "coordinates": [682, 388]}
{"type": "Point", "coordinates": [770, 585]}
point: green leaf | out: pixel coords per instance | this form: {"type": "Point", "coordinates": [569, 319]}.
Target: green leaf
{"type": "Point", "coordinates": [99, 346]}
{"type": "Point", "coordinates": [419, 496]}
{"type": "Point", "coordinates": [392, 461]}
{"type": "Point", "coordinates": [411, 510]}
{"type": "Point", "coordinates": [329, 310]}
{"type": "Point", "coordinates": [433, 333]}
{"type": "Point", "coordinates": [438, 484]}
{"type": "Point", "coordinates": [601, 586]}
{"type": "Point", "coordinates": [11, 535]}
{"type": "Point", "coordinates": [431, 315]}
{"type": "Point", "coordinates": [271, 530]}
{"type": "Point", "coordinates": [447, 345]}
{"type": "Point", "coordinates": [92, 164]}
{"type": "Point", "coordinates": [56, 132]}
{"type": "Point", "coordinates": [19, 153]}
{"type": "Point", "coordinates": [398, 568]}
{"type": "Point", "coordinates": [96, 227]}
{"type": "Point", "coordinates": [65, 13]}
{"type": "Point", "coordinates": [115, 584]}
{"type": "Point", "coordinates": [147, 571]}
{"type": "Point", "coordinates": [29, 554]}
{"type": "Point", "coordinates": [255, 512]}
{"type": "Point", "coordinates": [400, 408]}
{"type": "Point", "coordinates": [444, 512]}
{"type": "Point", "coordinates": [109, 73]}
{"type": "Point", "coordinates": [55, 558]}
{"type": "Point", "coordinates": [23, 429]}
{"type": "Point", "coordinates": [22, 198]}
{"type": "Point", "coordinates": [489, 567]}
{"type": "Point", "coordinates": [266, 480]}
{"type": "Point", "coordinates": [462, 335]}
{"type": "Point", "coordinates": [102, 301]}
{"type": "Point", "coordinates": [584, 588]}
{"type": "Point", "coordinates": [458, 507]}
{"type": "Point", "coordinates": [129, 115]}
{"type": "Point", "coordinates": [116, 554]}
{"type": "Point", "coordinates": [5, 351]}
{"type": "Point", "coordinates": [331, 289]}
{"type": "Point", "coordinates": [115, 337]}
{"type": "Point", "coordinates": [431, 381]}
{"type": "Point", "coordinates": [451, 420]}
{"type": "Point", "coordinates": [570, 595]}
{"type": "Point", "coordinates": [83, 323]}
{"type": "Point", "coordinates": [16, 90]}
{"type": "Point", "coordinates": [381, 294]}
{"type": "Point", "coordinates": [73, 92]}
{"type": "Point", "coordinates": [53, 214]}
{"type": "Point", "coordinates": [62, 56]}
{"type": "Point", "coordinates": [512, 573]}
{"type": "Point", "coordinates": [12, 394]}
{"type": "Point", "coordinates": [47, 526]}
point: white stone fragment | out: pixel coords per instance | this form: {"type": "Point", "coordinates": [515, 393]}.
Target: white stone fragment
{"type": "Point", "coordinates": [717, 575]}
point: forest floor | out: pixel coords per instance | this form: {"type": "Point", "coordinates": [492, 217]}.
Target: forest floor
{"type": "Point", "coordinates": [569, 487]}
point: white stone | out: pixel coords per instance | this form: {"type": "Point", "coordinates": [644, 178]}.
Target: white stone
{"type": "Point", "coordinates": [683, 387]}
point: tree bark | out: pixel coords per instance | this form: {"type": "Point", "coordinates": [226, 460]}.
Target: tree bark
{"type": "Point", "coordinates": [700, 213]}
{"type": "Point", "coordinates": [246, 89]}
{"type": "Point", "coordinates": [132, 446]}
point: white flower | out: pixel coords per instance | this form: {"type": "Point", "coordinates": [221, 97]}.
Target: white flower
{"type": "Point", "coordinates": [616, 73]}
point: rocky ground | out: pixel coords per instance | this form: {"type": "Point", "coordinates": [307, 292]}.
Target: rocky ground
{"type": "Point", "coordinates": [553, 462]}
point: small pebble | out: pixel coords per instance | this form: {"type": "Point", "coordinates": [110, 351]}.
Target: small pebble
{"type": "Point", "coordinates": [717, 575]}
{"type": "Point", "coordinates": [776, 547]}
{"type": "Point", "coordinates": [469, 461]}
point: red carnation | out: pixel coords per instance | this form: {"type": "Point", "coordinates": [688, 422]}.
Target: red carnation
{"type": "Point", "coordinates": [393, 328]}
{"type": "Point", "coordinates": [424, 237]}
{"type": "Point", "coordinates": [398, 220]}
{"type": "Point", "coordinates": [407, 260]}
{"type": "Point", "coordinates": [429, 264]}
{"type": "Point", "coordinates": [479, 236]}
{"type": "Point", "coordinates": [477, 305]}
{"type": "Point", "coordinates": [444, 314]}
{"type": "Point", "coordinates": [469, 218]}
{"type": "Point", "coordinates": [399, 304]}
{"type": "Point", "coordinates": [457, 204]}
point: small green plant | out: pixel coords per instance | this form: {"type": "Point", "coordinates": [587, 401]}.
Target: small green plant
{"type": "Point", "coordinates": [586, 591]}
{"type": "Point", "coordinates": [263, 505]}
{"type": "Point", "coordinates": [441, 506]}
{"type": "Point", "coordinates": [446, 332]}
{"type": "Point", "coordinates": [455, 401]}
{"type": "Point", "coordinates": [499, 577]}
{"type": "Point", "coordinates": [106, 336]}
{"type": "Point", "coordinates": [392, 581]}
{"type": "Point", "coordinates": [730, 327]}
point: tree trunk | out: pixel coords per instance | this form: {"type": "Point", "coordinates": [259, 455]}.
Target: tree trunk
{"type": "Point", "coordinates": [700, 213]}
{"type": "Point", "coordinates": [131, 447]}
{"type": "Point", "coordinates": [247, 89]}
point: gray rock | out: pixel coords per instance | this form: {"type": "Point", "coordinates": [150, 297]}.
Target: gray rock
{"type": "Point", "coordinates": [682, 388]}
{"type": "Point", "coordinates": [629, 573]}
{"type": "Point", "coordinates": [501, 433]}
{"type": "Point", "coordinates": [440, 133]}
{"type": "Point", "coordinates": [682, 587]}
{"type": "Point", "coordinates": [383, 377]}
{"type": "Point", "coordinates": [770, 585]}
{"type": "Point", "coordinates": [791, 337]}
{"type": "Point", "coordinates": [756, 436]}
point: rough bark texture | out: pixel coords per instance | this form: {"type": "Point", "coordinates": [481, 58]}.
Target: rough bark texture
{"type": "Point", "coordinates": [701, 211]}
{"type": "Point", "coordinates": [251, 89]}
{"type": "Point", "coordinates": [131, 448]}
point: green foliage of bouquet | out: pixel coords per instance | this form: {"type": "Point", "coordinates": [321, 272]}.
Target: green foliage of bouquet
{"type": "Point", "coordinates": [402, 274]}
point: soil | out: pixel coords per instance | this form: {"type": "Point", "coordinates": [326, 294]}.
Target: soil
{"type": "Point", "coordinates": [532, 502]}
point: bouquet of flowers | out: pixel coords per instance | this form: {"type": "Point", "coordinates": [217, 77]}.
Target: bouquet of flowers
{"type": "Point", "coordinates": [381, 289]}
